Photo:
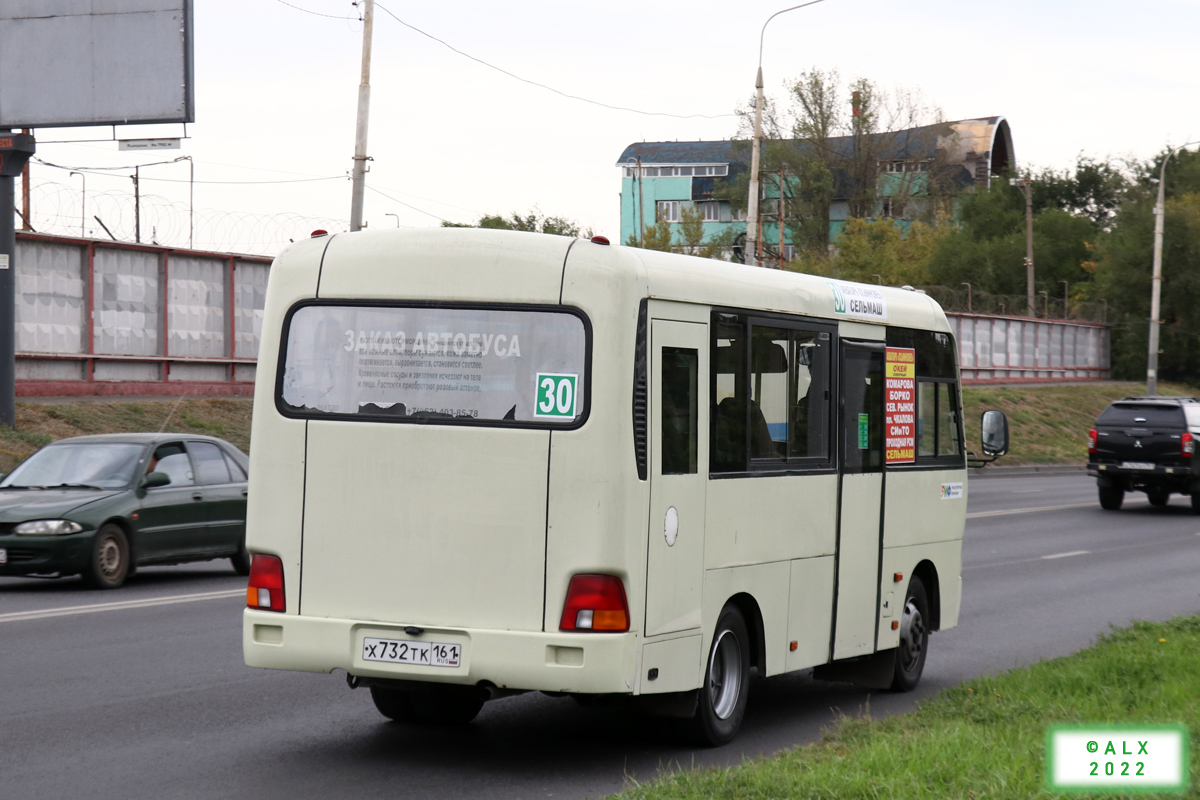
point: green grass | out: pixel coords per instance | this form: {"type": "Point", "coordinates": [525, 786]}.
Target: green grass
{"type": "Point", "coordinates": [983, 739]}
{"type": "Point", "coordinates": [39, 424]}
{"type": "Point", "coordinates": [1048, 424]}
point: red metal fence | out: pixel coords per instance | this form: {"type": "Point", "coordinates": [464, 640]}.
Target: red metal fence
{"type": "Point", "coordinates": [110, 318]}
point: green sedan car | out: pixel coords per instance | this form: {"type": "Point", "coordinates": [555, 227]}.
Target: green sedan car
{"type": "Point", "coordinates": [101, 506]}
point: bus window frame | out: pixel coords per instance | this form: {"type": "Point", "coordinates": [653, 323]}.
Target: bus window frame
{"type": "Point", "coordinates": [291, 412]}
{"type": "Point", "coordinates": [767, 467]}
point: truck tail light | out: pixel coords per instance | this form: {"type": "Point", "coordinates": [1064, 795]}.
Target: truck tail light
{"type": "Point", "coordinates": [1092, 440]}
{"type": "Point", "coordinates": [1188, 445]}
{"type": "Point", "coordinates": [265, 590]}
{"type": "Point", "coordinates": [595, 603]}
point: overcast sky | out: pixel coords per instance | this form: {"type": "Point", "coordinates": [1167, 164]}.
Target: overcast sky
{"type": "Point", "coordinates": [276, 91]}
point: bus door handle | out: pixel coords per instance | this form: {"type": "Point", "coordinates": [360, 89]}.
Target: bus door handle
{"type": "Point", "coordinates": [197, 496]}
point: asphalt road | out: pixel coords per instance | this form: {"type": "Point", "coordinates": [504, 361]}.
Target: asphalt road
{"type": "Point", "coordinates": [141, 693]}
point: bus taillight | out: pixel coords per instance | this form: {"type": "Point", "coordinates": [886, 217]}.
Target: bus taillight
{"type": "Point", "coordinates": [595, 603]}
{"type": "Point", "coordinates": [265, 589]}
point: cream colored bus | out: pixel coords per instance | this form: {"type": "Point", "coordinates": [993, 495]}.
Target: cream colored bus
{"type": "Point", "coordinates": [487, 462]}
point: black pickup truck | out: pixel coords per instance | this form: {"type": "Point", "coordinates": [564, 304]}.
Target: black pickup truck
{"type": "Point", "coordinates": [1146, 444]}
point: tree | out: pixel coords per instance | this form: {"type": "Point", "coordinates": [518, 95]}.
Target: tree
{"type": "Point", "coordinates": [833, 153]}
{"type": "Point", "coordinates": [1123, 280]}
{"type": "Point", "coordinates": [870, 248]}
{"type": "Point", "coordinates": [534, 221]}
{"type": "Point", "coordinates": [1093, 190]}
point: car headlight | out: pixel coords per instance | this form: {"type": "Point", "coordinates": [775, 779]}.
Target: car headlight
{"type": "Point", "coordinates": [47, 527]}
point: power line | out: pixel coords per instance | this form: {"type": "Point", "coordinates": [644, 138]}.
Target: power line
{"type": "Point", "coordinates": [544, 86]}
{"type": "Point", "coordinates": [103, 170]}
{"type": "Point", "coordinates": [408, 205]}
{"type": "Point", "coordinates": [318, 13]}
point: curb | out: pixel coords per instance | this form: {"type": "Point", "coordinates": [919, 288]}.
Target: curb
{"type": "Point", "coordinates": [1027, 470]}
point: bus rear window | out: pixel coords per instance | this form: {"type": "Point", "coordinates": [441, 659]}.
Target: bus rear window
{"type": "Point", "coordinates": [423, 364]}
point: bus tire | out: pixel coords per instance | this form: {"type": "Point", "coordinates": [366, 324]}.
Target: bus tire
{"type": "Point", "coordinates": [914, 638]}
{"type": "Point", "coordinates": [447, 704]}
{"type": "Point", "coordinates": [722, 697]}
{"type": "Point", "coordinates": [1111, 497]}
{"type": "Point", "coordinates": [394, 704]}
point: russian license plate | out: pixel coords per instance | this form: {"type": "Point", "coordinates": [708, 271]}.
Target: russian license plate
{"type": "Point", "coordinates": [425, 654]}
{"type": "Point", "coordinates": [1137, 465]}
{"type": "Point", "coordinates": [3, 556]}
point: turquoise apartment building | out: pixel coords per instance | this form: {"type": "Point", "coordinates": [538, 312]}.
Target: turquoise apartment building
{"type": "Point", "coordinates": [660, 179]}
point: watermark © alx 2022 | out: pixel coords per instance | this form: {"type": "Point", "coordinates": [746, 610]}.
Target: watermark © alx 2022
{"type": "Point", "coordinates": [1131, 759]}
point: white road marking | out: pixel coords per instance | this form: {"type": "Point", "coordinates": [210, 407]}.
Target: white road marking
{"type": "Point", "coordinates": [1068, 555]}
{"type": "Point", "coordinates": [148, 602]}
{"type": "Point", "coordinates": [1004, 511]}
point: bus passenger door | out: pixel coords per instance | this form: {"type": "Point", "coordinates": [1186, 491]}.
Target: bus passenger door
{"type": "Point", "coordinates": [860, 519]}
{"type": "Point", "coordinates": [678, 443]}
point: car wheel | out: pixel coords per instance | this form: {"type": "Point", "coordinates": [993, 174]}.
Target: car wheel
{"type": "Point", "coordinates": [726, 687]}
{"type": "Point", "coordinates": [914, 638]}
{"type": "Point", "coordinates": [1111, 497]}
{"type": "Point", "coordinates": [1158, 497]}
{"type": "Point", "coordinates": [1196, 501]}
{"type": "Point", "coordinates": [109, 564]}
{"type": "Point", "coordinates": [241, 559]}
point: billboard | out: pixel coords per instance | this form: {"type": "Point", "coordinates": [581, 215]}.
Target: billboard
{"type": "Point", "coordinates": [68, 63]}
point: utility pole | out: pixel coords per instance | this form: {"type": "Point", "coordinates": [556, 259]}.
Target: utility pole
{"type": "Point", "coordinates": [1160, 209]}
{"type": "Point", "coordinates": [1027, 185]}
{"type": "Point", "coordinates": [360, 134]}
{"type": "Point", "coordinates": [15, 150]}
{"type": "Point", "coordinates": [25, 211]}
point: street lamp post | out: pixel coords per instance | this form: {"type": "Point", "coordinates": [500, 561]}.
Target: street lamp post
{"type": "Point", "coordinates": [964, 283]}
{"type": "Point", "coordinates": [1156, 285]}
{"type": "Point", "coordinates": [397, 216]}
{"type": "Point", "coordinates": [752, 200]}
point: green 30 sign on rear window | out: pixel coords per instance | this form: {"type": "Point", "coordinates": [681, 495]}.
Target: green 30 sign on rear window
{"type": "Point", "coordinates": [556, 396]}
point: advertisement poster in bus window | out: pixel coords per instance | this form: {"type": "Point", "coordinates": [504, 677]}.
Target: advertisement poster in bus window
{"type": "Point", "coordinates": [900, 405]}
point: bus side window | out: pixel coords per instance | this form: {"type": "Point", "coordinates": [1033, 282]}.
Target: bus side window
{"type": "Point", "coordinates": [927, 420]}
{"type": "Point", "coordinates": [948, 444]}
{"type": "Point", "coordinates": [769, 393]}
{"type": "Point", "coordinates": [810, 395]}
{"type": "Point", "coordinates": [680, 435]}
{"type": "Point", "coordinates": [728, 442]}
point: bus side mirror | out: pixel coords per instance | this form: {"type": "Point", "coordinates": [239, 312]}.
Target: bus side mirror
{"type": "Point", "coordinates": [995, 433]}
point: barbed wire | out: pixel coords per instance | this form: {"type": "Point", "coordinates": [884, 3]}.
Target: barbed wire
{"type": "Point", "coordinates": [58, 209]}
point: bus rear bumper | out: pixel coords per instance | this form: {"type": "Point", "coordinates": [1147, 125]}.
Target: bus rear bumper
{"type": "Point", "coordinates": [552, 662]}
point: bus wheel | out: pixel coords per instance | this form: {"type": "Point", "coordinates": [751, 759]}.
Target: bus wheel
{"type": "Point", "coordinates": [914, 638]}
{"type": "Point", "coordinates": [394, 704]}
{"type": "Point", "coordinates": [726, 687]}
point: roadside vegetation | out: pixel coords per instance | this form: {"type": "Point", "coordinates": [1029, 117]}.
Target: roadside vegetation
{"type": "Point", "coordinates": [983, 739]}
{"type": "Point", "coordinates": [39, 424]}
{"type": "Point", "coordinates": [1048, 423]}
